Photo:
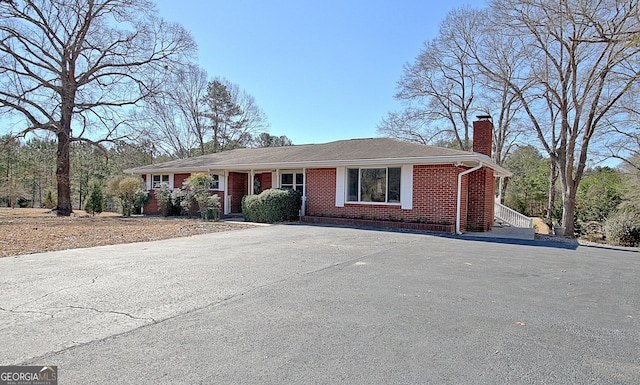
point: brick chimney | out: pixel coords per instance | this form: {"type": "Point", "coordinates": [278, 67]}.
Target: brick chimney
{"type": "Point", "coordinates": [483, 135]}
{"type": "Point", "coordinates": [481, 183]}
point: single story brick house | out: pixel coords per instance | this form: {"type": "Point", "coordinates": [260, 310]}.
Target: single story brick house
{"type": "Point", "coordinates": [358, 178]}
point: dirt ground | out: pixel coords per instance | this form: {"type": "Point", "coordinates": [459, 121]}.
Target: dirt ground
{"type": "Point", "coordinates": [540, 226]}
{"type": "Point", "coordinates": [28, 231]}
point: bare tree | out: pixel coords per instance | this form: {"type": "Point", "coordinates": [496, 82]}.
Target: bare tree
{"type": "Point", "coordinates": [495, 95]}
{"type": "Point", "coordinates": [69, 66]}
{"type": "Point", "coordinates": [410, 125]}
{"type": "Point", "coordinates": [443, 90]}
{"type": "Point", "coordinates": [191, 93]}
{"type": "Point", "coordinates": [438, 89]}
{"type": "Point", "coordinates": [174, 118]}
{"type": "Point", "coordinates": [621, 141]}
{"type": "Point", "coordinates": [577, 68]}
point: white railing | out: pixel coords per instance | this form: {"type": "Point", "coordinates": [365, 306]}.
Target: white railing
{"type": "Point", "coordinates": [512, 217]}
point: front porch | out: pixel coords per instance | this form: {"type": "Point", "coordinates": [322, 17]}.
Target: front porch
{"type": "Point", "coordinates": [242, 183]}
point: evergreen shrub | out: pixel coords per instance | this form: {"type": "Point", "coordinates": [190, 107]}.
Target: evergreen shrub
{"type": "Point", "coordinates": [272, 205]}
{"type": "Point", "coordinates": [95, 203]}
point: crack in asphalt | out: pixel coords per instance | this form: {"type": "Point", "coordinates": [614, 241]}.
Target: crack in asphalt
{"type": "Point", "coordinates": [153, 321]}
{"type": "Point", "coordinates": [25, 312]}
{"type": "Point", "coordinates": [16, 309]}
{"type": "Point", "coordinates": [93, 280]}
{"type": "Point", "coordinates": [11, 311]}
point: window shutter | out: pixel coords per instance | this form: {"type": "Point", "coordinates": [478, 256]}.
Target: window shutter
{"type": "Point", "coordinates": [340, 180]}
{"type": "Point", "coordinates": [406, 187]}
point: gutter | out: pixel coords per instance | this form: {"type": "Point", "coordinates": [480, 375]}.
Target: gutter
{"type": "Point", "coordinates": [458, 208]}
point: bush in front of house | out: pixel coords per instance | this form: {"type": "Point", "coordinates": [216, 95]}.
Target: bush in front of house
{"type": "Point", "coordinates": [623, 229]}
{"type": "Point", "coordinates": [196, 189]}
{"type": "Point", "coordinates": [163, 198]}
{"type": "Point", "coordinates": [129, 191]}
{"type": "Point", "coordinates": [169, 200]}
{"type": "Point", "coordinates": [272, 205]}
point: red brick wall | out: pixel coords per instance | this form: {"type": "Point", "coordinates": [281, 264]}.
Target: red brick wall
{"type": "Point", "coordinates": [481, 200]}
{"type": "Point", "coordinates": [265, 181]}
{"type": "Point", "coordinates": [464, 202]}
{"type": "Point", "coordinates": [435, 192]}
{"type": "Point", "coordinates": [434, 196]}
{"type": "Point", "coordinates": [321, 192]}
{"type": "Point", "coordinates": [178, 179]}
{"type": "Point", "coordinates": [194, 207]}
{"type": "Point", "coordinates": [151, 208]}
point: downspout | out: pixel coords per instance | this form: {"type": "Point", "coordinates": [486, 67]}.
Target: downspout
{"type": "Point", "coordinates": [458, 208]}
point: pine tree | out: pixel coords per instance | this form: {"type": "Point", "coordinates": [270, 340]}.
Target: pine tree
{"type": "Point", "coordinates": [95, 202]}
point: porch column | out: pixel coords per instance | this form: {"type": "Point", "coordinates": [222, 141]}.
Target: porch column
{"type": "Point", "coordinates": [225, 194]}
{"type": "Point", "coordinates": [250, 182]}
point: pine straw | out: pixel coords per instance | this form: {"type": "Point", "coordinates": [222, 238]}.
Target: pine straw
{"type": "Point", "coordinates": [28, 231]}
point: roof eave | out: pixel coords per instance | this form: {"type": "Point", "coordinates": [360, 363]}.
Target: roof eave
{"type": "Point", "coordinates": [470, 160]}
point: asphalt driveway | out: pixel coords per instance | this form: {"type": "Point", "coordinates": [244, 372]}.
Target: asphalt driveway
{"type": "Point", "coordinates": [302, 304]}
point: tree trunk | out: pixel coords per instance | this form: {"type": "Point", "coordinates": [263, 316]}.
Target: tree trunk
{"type": "Point", "coordinates": [215, 138]}
{"type": "Point", "coordinates": [201, 144]}
{"type": "Point", "coordinates": [501, 191]}
{"type": "Point", "coordinates": [568, 211]}
{"type": "Point", "coordinates": [551, 203]}
{"type": "Point", "coordinates": [63, 173]}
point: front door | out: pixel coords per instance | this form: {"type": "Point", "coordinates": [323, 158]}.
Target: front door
{"type": "Point", "coordinates": [238, 183]}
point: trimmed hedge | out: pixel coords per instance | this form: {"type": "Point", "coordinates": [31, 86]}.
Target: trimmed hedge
{"type": "Point", "coordinates": [272, 205]}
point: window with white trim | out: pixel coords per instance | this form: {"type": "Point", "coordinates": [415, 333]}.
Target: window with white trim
{"type": "Point", "coordinates": [158, 179]}
{"type": "Point", "coordinates": [292, 180]}
{"type": "Point", "coordinates": [374, 184]}
{"type": "Point", "coordinates": [215, 182]}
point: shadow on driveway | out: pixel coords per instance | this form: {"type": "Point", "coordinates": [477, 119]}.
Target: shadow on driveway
{"type": "Point", "coordinates": [487, 239]}
{"type": "Point", "coordinates": [507, 241]}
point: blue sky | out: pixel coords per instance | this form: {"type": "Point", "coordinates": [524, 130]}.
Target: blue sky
{"type": "Point", "coordinates": [320, 70]}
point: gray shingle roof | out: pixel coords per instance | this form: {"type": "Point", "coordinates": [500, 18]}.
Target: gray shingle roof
{"type": "Point", "coordinates": [353, 151]}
